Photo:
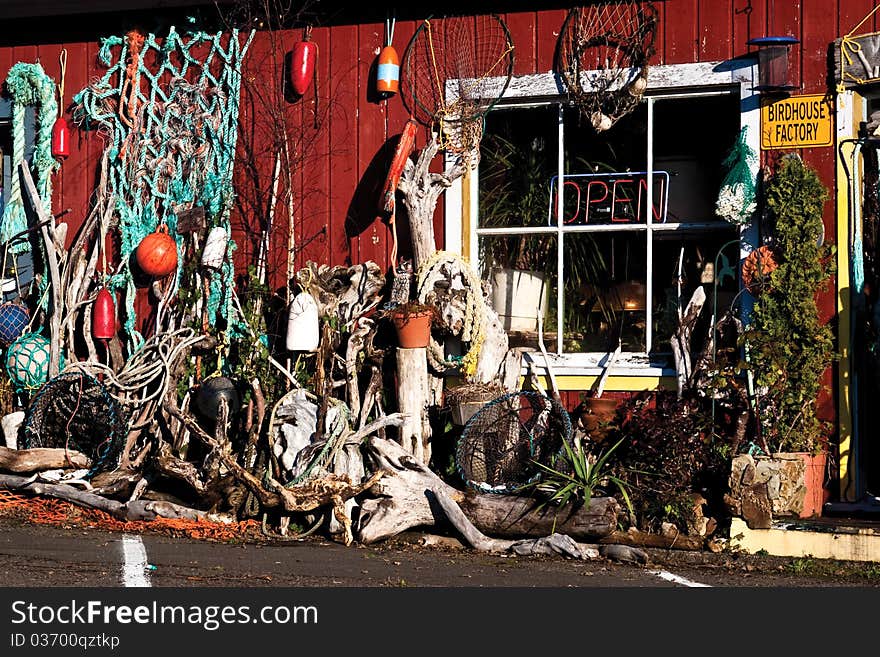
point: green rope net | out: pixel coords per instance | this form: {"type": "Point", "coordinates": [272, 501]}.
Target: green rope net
{"type": "Point", "coordinates": [171, 110]}
{"type": "Point", "coordinates": [736, 199]}
{"type": "Point", "coordinates": [28, 85]}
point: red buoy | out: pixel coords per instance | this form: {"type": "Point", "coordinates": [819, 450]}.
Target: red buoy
{"type": "Point", "coordinates": [405, 146]}
{"type": "Point", "coordinates": [157, 253]}
{"type": "Point", "coordinates": [60, 138]}
{"type": "Point", "coordinates": [104, 316]}
{"type": "Point", "coordinates": [388, 71]}
{"type": "Point", "coordinates": [302, 63]}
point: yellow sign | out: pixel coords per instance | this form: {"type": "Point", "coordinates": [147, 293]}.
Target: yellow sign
{"type": "Point", "coordinates": [796, 122]}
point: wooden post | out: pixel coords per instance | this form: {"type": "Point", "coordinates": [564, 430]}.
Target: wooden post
{"type": "Point", "coordinates": [412, 395]}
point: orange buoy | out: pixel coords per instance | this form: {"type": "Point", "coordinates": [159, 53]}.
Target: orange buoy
{"type": "Point", "coordinates": [157, 253]}
{"type": "Point", "coordinates": [388, 71]}
{"type": "Point", "coordinates": [104, 316]}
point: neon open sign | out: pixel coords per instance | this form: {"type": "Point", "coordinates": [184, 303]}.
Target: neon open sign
{"type": "Point", "coordinates": [606, 198]}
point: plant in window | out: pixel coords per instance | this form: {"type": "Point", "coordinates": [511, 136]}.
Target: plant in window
{"type": "Point", "coordinates": [788, 346]}
{"type": "Point", "coordinates": [515, 190]}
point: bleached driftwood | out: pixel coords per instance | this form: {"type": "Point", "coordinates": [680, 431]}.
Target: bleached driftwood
{"type": "Point", "coordinates": [125, 511]}
{"type": "Point", "coordinates": [343, 292]}
{"type": "Point", "coordinates": [421, 189]}
{"type": "Point", "coordinates": [412, 396]}
{"type": "Point", "coordinates": [405, 498]}
{"type": "Point", "coordinates": [20, 461]}
{"type": "Point", "coordinates": [681, 339]}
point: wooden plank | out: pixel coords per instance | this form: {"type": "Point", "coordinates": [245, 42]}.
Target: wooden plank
{"type": "Point", "coordinates": [716, 26]}
{"type": "Point", "coordinates": [784, 20]}
{"type": "Point", "coordinates": [343, 142]}
{"type": "Point", "coordinates": [371, 230]}
{"type": "Point", "coordinates": [749, 22]}
{"type": "Point", "coordinates": [549, 25]}
{"type": "Point", "coordinates": [523, 34]}
{"type": "Point", "coordinates": [397, 115]}
{"type": "Point", "coordinates": [313, 237]}
{"type": "Point", "coordinates": [680, 33]}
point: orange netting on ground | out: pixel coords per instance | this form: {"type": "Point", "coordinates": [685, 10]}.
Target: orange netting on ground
{"type": "Point", "coordinates": [49, 511]}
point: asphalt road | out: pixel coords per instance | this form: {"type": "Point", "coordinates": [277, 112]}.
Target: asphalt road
{"type": "Point", "coordinates": [49, 556]}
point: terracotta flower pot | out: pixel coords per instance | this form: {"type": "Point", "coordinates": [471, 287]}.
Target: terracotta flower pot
{"type": "Point", "coordinates": [413, 328]}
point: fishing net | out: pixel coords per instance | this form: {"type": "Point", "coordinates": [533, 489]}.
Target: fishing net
{"type": "Point", "coordinates": [736, 198]}
{"type": "Point", "coordinates": [502, 444]}
{"type": "Point", "coordinates": [75, 411]}
{"type": "Point", "coordinates": [454, 70]}
{"type": "Point", "coordinates": [170, 108]}
{"type": "Point", "coordinates": [602, 56]}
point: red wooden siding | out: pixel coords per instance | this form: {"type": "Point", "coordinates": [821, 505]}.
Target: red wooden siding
{"type": "Point", "coordinates": [342, 136]}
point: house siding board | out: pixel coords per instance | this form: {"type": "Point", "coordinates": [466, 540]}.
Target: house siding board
{"type": "Point", "coordinates": [370, 231]}
{"type": "Point", "coordinates": [330, 161]}
{"type": "Point", "coordinates": [523, 35]}
{"type": "Point", "coordinates": [715, 18]}
{"type": "Point", "coordinates": [749, 22]}
{"type": "Point", "coordinates": [679, 32]}
{"type": "Point", "coordinates": [549, 25]}
{"type": "Point", "coordinates": [344, 247]}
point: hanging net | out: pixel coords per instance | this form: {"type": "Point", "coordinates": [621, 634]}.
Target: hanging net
{"type": "Point", "coordinates": [503, 443]}
{"type": "Point", "coordinates": [736, 198]}
{"type": "Point", "coordinates": [74, 411]}
{"type": "Point", "coordinates": [602, 56]}
{"type": "Point", "coordinates": [454, 70]}
{"type": "Point", "coordinates": [170, 108]}
{"type": "Point", "coordinates": [28, 85]}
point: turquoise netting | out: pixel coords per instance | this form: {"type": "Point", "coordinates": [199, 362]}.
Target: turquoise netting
{"type": "Point", "coordinates": [171, 111]}
{"type": "Point", "coordinates": [28, 85]}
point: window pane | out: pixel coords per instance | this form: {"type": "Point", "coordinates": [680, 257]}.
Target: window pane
{"type": "Point", "coordinates": [692, 157]}
{"type": "Point", "coordinates": [680, 266]}
{"type": "Point", "coordinates": [518, 158]}
{"type": "Point", "coordinates": [604, 291]}
{"type": "Point", "coordinates": [520, 296]}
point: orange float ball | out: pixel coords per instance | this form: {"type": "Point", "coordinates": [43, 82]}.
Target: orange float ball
{"type": "Point", "coordinates": [157, 253]}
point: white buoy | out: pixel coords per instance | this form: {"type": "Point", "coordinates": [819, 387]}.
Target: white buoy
{"type": "Point", "coordinates": [215, 248]}
{"type": "Point", "coordinates": [302, 323]}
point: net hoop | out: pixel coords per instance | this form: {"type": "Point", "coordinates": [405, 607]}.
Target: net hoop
{"type": "Point", "coordinates": [602, 57]}
{"type": "Point", "coordinates": [442, 87]}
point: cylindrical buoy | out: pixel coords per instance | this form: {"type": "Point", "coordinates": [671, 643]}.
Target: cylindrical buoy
{"type": "Point", "coordinates": [60, 138]}
{"type": "Point", "coordinates": [104, 316]}
{"type": "Point", "coordinates": [215, 248]}
{"type": "Point", "coordinates": [302, 324]}
{"type": "Point", "coordinates": [388, 71]}
{"type": "Point", "coordinates": [302, 63]}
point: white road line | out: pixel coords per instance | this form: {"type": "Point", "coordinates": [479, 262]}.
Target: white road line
{"type": "Point", "coordinates": [678, 579]}
{"type": "Point", "coordinates": [134, 562]}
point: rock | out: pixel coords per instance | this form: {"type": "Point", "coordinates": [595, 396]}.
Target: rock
{"type": "Point", "coordinates": [11, 424]}
{"type": "Point", "coordinates": [625, 553]}
{"type": "Point", "coordinates": [756, 508]}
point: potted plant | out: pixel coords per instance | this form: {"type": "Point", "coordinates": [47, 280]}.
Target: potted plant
{"type": "Point", "coordinates": [788, 348]}
{"type": "Point", "coordinates": [412, 321]}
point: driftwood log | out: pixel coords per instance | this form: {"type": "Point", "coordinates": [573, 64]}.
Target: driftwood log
{"type": "Point", "coordinates": [125, 511]}
{"type": "Point", "coordinates": [413, 395]}
{"type": "Point", "coordinates": [406, 498]}
{"type": "Point", "coordinates": [20, 461]}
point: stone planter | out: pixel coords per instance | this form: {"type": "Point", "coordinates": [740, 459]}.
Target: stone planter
{"type": "Point", "coordinates": [786, 484]}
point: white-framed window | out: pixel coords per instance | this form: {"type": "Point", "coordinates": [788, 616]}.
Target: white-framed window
{"type": "Point", "coordinates": [634, 230]}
